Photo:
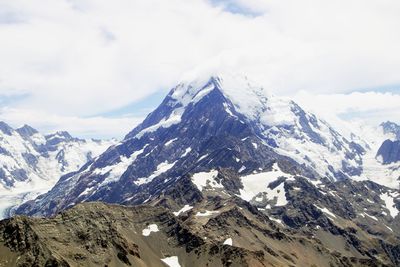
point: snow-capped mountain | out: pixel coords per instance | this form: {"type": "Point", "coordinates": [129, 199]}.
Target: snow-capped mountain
{"type": "Point", "coordinates": [31, 163]}
{"type": "Point", "coordinates": [219, 122]}
{"type": "Point", "coordinates": [392, 129]}
{"type": "Point", "coordinates": [376, 141]}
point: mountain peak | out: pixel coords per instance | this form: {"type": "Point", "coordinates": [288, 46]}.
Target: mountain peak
{"type": "Point", "coordinates": [248, 97]}
{"type": "Point", "coordinates": [392, 128]}
{"type": "Point", "coordinates": [59, 135]}
{"type": "Point", "coordinates": [233, 86]}
{"type": "Point", "coordinates": [26, 130]}
{"type": "Point", "coordinates": [5, 128]}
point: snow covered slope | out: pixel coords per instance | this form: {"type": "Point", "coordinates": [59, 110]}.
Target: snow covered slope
{"type": "Point", "coordinates": [372, 138]}
{"type": "Point", "coordinates": [31, 163]}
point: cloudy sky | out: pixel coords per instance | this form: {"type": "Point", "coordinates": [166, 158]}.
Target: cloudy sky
{"type": "Point", "coordinates": [97, 67]}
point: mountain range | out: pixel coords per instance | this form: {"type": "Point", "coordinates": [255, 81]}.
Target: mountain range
{"type": "Point", "coordinates": [31, 163]}
{"type": "Point", "coordinates": [222, 173]}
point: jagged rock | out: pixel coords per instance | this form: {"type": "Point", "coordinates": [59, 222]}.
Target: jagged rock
{"type": "Point", "coordinates": [95, 234]}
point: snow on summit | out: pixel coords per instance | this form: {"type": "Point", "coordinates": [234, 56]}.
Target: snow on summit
{"type": "Point", "coordinates": [278, 121]}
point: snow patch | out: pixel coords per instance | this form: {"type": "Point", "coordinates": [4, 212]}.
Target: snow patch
{"type": "Point", "coordinates": [228, 242]}
{"type": "Point", "coordinates": [326, 211]}
{"type": "Point", "coordinates": [202, 157]}
{"type": "Point", "coordinates": [202, 179]}
{"type": "Point", "coordinates": [183, 210]}
{"type": "Point", "coordinates": [161, 168]}
{"type": "Point", "coordinates": [242, 169]}
{"type": "Point", "coordinates": [170, 141]}
{"type": "Point", "coordinates": [152, 228]}
{"type": "Point", "coordinates": [173, 119]}
{"type": "Point", "coordinates": [372, 217]}
{"type": "Point", "coordinates": [206, 213]}
{"type": "Point", "coordinates": [117, 170]}
{"type": "Point", "coordinates": [276, 220]}
{"type": "Point", "coordinates": [187, 151]}
{"type": "Point", "coordinates": [227, 109]}
{"type": "Point", "coordinates": [389, 203]}
{"type": "Point", "coordinates": [254, 184]}
{"type": "Point", "coordinates": [172, 261]}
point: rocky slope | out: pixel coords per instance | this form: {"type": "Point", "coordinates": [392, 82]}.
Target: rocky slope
{"type": "Point", "coordinates": [31, 163]}
{"type": "Point", "coordinates": [221, 232]}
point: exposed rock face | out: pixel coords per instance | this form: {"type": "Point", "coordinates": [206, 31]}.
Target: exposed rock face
{"type": "Point", "coordinates": [389, 152]}
{"type": "Point", "coordinates": [94, 234]}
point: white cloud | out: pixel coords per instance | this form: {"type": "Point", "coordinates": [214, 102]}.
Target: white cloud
{"type": "Point", "coordinates": [98, 127]}
{"type": "Point", "coordinates": [348, 112]}
{"type": "Point", "coordinates": [352, 103]}
{"type": "Point", "coordinates": [79, 58]}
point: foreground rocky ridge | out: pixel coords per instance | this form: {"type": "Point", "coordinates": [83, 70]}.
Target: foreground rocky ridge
{"type": "Point", "coordinates": [215, 232]}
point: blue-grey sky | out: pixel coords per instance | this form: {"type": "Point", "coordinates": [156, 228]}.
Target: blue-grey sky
{"type": "Point", "coordinates": [97, 67]}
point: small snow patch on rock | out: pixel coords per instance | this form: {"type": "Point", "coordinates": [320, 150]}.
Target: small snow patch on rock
{"type": "Point", "coordinates": [152, 228]}
{"type": "Point", "coordinates": [228, 242]}
{"type": "Point", "coordinates": [206, 213]}
{"type": "Point", "coordinates": [172, 261]}
{"type": "Point", "coordinates": [183, 210]}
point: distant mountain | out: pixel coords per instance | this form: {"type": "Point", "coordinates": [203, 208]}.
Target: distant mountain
{"type": "Point", "coordinates": [391, 128]}
{"type": "Point", "coordinates": [31, 163]}
{"type": "Point", "coordinates": [389, 152]}
{"type": "Point", "coordinates": [381, 162]}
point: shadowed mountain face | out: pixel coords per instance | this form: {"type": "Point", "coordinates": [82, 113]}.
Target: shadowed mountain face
{"type": "Point", "coordinates": [389, 152]}
{"type": "Point", "coordinates": [242, 167]}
